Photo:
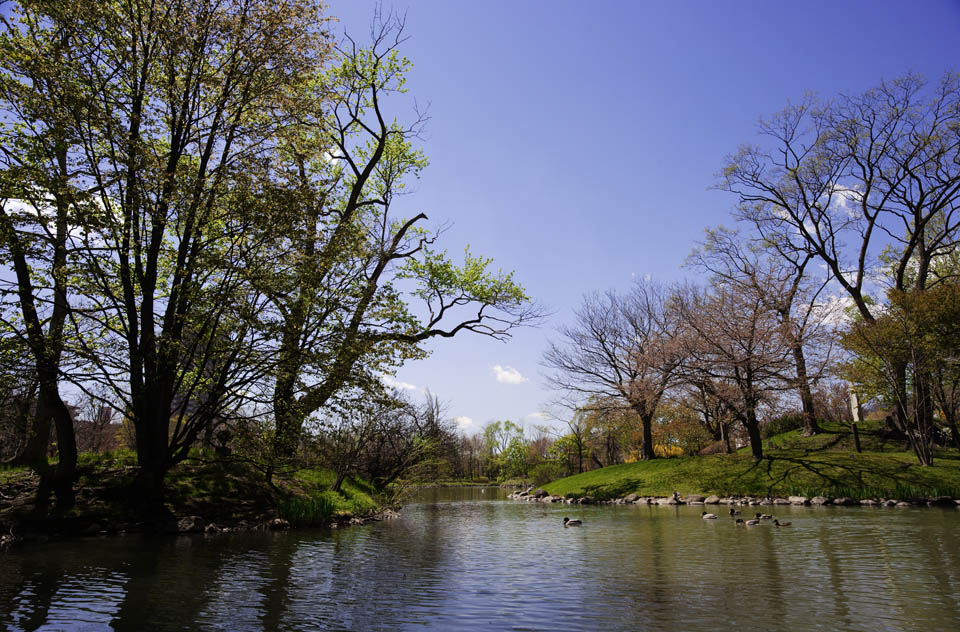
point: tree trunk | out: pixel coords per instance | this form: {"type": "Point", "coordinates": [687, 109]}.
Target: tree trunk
{"type": "Point", "coordinates": [339, 481]}
{"type": "Point", "coordinates": [646, 448]}
{"type": "Point", "coordinates": [753, 430]}
{"type": "Point", "coordinates": [810, 426]}
{"type": "Point", "coordinates": [153, 428]}
{"type": "Point", "coordinates": [856, 437]}
{"type": "Point", "coordinates": [65, 472]}
{"type": "Point", "coordinates": [950, 416]}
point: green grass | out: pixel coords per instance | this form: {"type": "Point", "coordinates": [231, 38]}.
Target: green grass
{"type": "Point", "coordinates": [782, 473]}
{"type": "Point", "coordinates": [315, 504]}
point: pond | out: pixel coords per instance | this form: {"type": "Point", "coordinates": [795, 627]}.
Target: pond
{"type": "Point", "coordinates": [468, 559]}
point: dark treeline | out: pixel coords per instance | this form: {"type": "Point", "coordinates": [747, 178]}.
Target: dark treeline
{"type": "Point", "coordinates": [199, 241]}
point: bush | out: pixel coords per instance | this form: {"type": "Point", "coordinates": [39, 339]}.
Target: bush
{"type": "Point", "coordinates": [546, 472]}
{"type": "Point", "coordinates": [781, 424]}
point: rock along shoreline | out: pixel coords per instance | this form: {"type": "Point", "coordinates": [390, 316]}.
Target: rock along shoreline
{"type": "Point", "coordinates": [38, 532]}
{"type": "Point", "coordinates": [542, 496]}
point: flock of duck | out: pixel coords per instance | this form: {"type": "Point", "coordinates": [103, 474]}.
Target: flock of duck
{"type": "Point", "coordinates": [748, 523]}
{"type": "Point", "coordinates": [740, 522]}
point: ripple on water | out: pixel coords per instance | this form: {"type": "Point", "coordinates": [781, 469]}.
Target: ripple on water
{"type": "Point", "coordinates": [482, 564]}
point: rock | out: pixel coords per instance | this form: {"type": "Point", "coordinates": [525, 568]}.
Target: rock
{"type": "Point", "coordinates": [694, 498]}
{"type": "Point", "coordinates": [212, 528]}
{"type": "Point", "coordinates": [798, 500]}
{"type": "Point", "coordinates": [781, 501]}
{"type": "Point", "coordinates": [843, 500]}
{"type": "Point", "coordinates": [727, 501]}
{"type": "Point", "coordinates": [821, 500]}
{"type": "Point", "coordinates": [673, 501]}
{"type": "Point", "coordinates": [869, 502]}
{"type": "Point", "coordinates": [92, 529]}
{"type": "Point", "coordinates": [631, 498]}
{"type": "Point", "coordinates": [569, 501]}
{"type": "Point", "coordinates": [903, 503]}
{"type": "Point", "coordinates": [191, 524]}
{"type": "Point", "coordinates": [766, 501]}
{"type": "Point", "coordinates": [941, 501]}
{"type": "Point", "coordinates": [889, 503]}
{"type": "Point", "coordinates": [695, 502]}
{"type": "Point", "coordinates": [584, 500]}
{"type": "Point", "coordinates": [278, 524]}
{"type": "Point", "coordinates": [711, 500]}
{"type": "Point", "coordinates": [539, 493]}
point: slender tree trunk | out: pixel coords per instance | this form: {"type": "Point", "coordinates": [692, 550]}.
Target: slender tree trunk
{"type": "Point", "coordinates": [753, 430]}
{"type": "Point", "coordinates": [950, 416]}
{"type": "Point", "coordinates": [341, 475]}
{"type": "Point", "coordinates": [810, 426]}
{"type": "Point", "coordinates": [856, 437]}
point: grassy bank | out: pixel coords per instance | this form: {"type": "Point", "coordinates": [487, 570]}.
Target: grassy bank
{"type": "Point", "coordinates": [229, 494]}
{"type": "Point", "coordinates": [823, 465]}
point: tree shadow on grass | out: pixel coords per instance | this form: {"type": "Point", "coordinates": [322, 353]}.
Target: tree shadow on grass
{"type": "Point", "coordinates": [614, 489]}
{"type": "Point", "coordinates": [856, 477]}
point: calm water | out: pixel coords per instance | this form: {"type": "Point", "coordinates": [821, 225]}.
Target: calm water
{"type": "Point", "coordinates": [466, 560]}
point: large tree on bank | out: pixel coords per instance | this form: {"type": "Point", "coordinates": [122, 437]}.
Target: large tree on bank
{"type": "Point", "coordinates": [621, 350]}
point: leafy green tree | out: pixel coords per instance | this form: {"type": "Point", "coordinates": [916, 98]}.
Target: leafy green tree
{"type": "Point", "coordinates": [919, 330]}
{"type": "Point", "coordinates": [360, 289]}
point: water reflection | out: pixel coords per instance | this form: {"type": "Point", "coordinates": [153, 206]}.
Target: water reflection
{"type": "Point", "coordinates": [466, 560]}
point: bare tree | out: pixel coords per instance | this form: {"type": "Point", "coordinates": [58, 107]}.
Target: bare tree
{"type": "Point", "coordinates": [782, 281]}
{"type": "Point", "coordinates": [734, 347]}
{"type": "Point", "coordinates": [863, 174]}
{"type": "Point", "coordinates": [621, 349]}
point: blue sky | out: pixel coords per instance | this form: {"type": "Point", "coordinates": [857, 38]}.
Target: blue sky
{"type": "Point", "coordinates": [575, 142]}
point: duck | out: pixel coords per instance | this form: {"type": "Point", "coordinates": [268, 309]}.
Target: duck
{"type": "Point", "coordinates": [751, 523]}
{"type": "Point", "coordinates": [707, 516]}
{"type": "Point", "coordinates": [761, 516]}
{"type": "Point", "coordinates": [740, 522]}
{"type": "Point", "coordinates": [777, 523]}
{"type": "Point", "coordinates": [567, 522]}
{"type": "Point", "coordinates": [734, 512]}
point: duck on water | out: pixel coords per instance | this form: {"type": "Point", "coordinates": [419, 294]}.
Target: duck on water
{"type": "Point", "coordinates": [567, 522]}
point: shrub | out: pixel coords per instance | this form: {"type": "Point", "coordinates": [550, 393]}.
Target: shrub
{"type": "Point", "coordinates": [781, 424]}
{"type": "Point", "coordinates": [546, 472]}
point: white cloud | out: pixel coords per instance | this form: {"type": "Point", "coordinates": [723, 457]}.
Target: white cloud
{"type": "Point", "coordinates": [539, 416]}
{"type": "Point", "coordinates": [397, 384]}
{"type": "Point", "coordinates": [463, 423]}
{"type": "Point", "coordinates": [508, 375]}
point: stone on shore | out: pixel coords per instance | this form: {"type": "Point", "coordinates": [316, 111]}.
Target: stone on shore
{"type": "Point", "coordinates": [821, 500]}
{"type": "Point", "coordinates": [798, 500]}
{"type": "Point", "coordinates": [711, 500]}
{"type": "Point", "coordinates": [191, 524]}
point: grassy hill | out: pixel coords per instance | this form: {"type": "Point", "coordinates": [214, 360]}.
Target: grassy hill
{"type": "Point", "coordinates": [825, 464]}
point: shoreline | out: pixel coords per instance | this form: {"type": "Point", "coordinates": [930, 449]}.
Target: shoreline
{"type": "Point", "coordinates": [541, 495]}
{"type": "Point", "coordinates": [40, 531]}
